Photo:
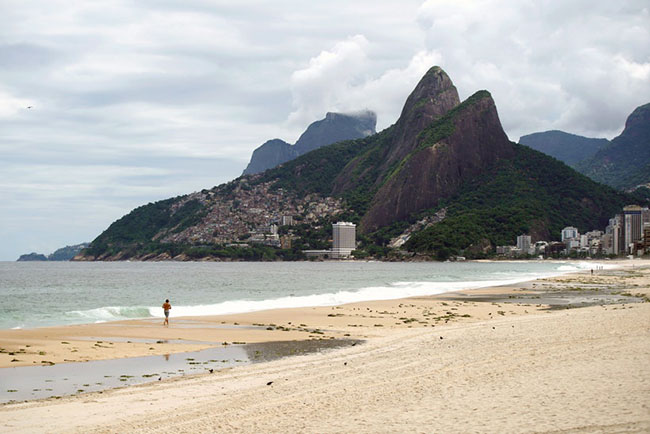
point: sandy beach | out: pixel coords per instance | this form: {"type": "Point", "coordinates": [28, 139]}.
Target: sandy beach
{"type": "Point", "coordinates": [567, 354]}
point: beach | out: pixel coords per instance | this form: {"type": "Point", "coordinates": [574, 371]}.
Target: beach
{"type": "Point", "coordinates": [562, 354]}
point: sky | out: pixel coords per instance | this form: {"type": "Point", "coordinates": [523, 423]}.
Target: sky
{"type": "Point", "coordinates": [107, 105]}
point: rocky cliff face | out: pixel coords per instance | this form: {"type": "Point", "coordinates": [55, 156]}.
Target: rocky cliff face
{"type": "Point", "coordinates": [433, 97]}
{"type": "Point", "coordinates": [453, 149]}
{"type": "Point", "coordinates": [625, 162]}
{"type": "Point", "coordinates": [272, 153]}
{"type": "Point", "coordinates": [436, 144]}
{"type": "Point", "coordinates": [334, 128]}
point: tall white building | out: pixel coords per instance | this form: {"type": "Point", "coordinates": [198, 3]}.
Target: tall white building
{"type": "Point", "coordinates": [570, 233]}
{"type": "Point", "coordinates": [523, 244]}
{"type": "Point", "coordinates": [345, 239]}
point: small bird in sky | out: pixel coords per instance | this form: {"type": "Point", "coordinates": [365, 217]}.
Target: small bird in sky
{"type": "Point", "coordinates": [29, 106]}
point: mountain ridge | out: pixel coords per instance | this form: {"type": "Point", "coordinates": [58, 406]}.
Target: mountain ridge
{"type": "Point", "coordinates": [333, 128]}
{"type": "Point", "coordinates": [625, 162]}
{"type": "Point", "coordinates": [566, 147]}
{"type": "Point", "coordinates": [440, 154]}
{"type": "Point", "coordinates": [622, 163]}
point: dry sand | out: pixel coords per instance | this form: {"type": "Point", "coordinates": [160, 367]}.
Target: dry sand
{"type": "Point", "coordinates": [491, 360]}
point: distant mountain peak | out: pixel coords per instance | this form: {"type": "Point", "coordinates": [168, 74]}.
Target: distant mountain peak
{"type": "Point", "coordinates": [335, 127]}
{"type": "Point", "coordinates": [434, 95]}
{"type": "Point", "coordinates": [625, 162]}
{"type": "Point", "coordinates": [640, 117]}
{"type": "Point", "coordinates": [566, 147]}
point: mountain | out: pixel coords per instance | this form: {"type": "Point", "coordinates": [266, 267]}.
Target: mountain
{"type": "Point", "coordinates": [445, 168]}
{"type": "Point", "coordinates": [569, 148]}
{"type": "Point", "coordinates": [625, 162]}
{"type": "Point", "coordinates": [334, 128]}
{"type": "Point", "coordinates": [63, 254]}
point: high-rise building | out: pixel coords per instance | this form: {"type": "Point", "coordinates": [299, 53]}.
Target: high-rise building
{"type": "Point", "coordinates": [633, 223]}
{"type": "Point", "coordinates": [523, 244]}
{"type": "Point", "coordinates": [607, 243]}
{"type": "Point", "coordinates": [344, 237]}
{"type": "Point", "coordinates": [570, 233]}
{"type": "Point", "coordinates": [646, 237]}
{"type": "Point", "coordinates": [645, 215]}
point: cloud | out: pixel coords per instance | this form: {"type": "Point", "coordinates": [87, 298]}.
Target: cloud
{"type": "Point", "coordinates": [343, 79]}
{"type": "Point", "coordinates": [580, 66]}
{"type": "Point", "coordinates": [139, 101]}
{"type": "Point", "coordinates": [12, 106]}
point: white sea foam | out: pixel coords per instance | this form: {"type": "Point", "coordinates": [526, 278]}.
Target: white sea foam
{"type": "Point", "coordinates": [577, 266]}
{"type": "Point", "coordinates": [110, 313]}
{"type": "Point", "coordinates": [393, 291]}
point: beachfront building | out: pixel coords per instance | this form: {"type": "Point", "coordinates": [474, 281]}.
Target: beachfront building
{"type": "Point", "coordinates": [344, 239]}
{"type": "Point", "coordinates": [607, 244]}
{"type": "Point", "coordinates": [646, 237]}
{"type": "Point", "coordinates": [633, 223]}
{"type": "Point", "coordinates": [540, 247]}
{"type": "Point", "coordinates": [615, 229]}
{"type": "Point", "coordinates": [523, 244]}
{"type": "Point", "coordinates": [506, 250]}
{"type": "Point", "coordinates": [570, 233]}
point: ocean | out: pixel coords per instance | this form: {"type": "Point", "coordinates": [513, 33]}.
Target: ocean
{"type": "Point", "coordinates": [38, 294]}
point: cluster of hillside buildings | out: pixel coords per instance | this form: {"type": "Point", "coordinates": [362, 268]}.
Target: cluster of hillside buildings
{"type": "Point", "coordinates": [627, 233]}
{"type": "Point", "coordinates": [250, 214]}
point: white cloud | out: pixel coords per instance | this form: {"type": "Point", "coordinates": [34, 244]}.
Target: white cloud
{"type": "Point", "coordinates": [343, 79]}
{"type": "Point", "coordinates": [183, 91]}
{"type": "Point", "coordinates": [10, 105]}
{"type": "Point", "coordinates": [580, 66]}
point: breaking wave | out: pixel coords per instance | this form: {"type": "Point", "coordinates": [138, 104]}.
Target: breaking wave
{"type": "Point", "coordinates": [393, 291]}
{"type": "Point", "coordinates": [111, 313]}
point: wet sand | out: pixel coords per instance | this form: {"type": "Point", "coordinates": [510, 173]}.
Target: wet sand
{"type": "Point", "coordinates": [569, 353]}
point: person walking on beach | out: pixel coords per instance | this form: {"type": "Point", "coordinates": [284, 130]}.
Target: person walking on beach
{"type": "Point", "coordinates": [166, 307]}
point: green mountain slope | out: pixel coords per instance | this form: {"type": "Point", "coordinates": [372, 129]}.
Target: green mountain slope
{"type": "Point", "coordinates": [531, 193]}
{"type": "Point", "coordinates": [625, 162]}
{"type": "Point", "coordinates": [569, 148]}
{"type": "Point", "coordinates": [441, 153]}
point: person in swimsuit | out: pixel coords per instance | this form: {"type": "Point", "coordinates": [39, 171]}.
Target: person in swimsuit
{"type": "Point", "coordinates": [166, 307]}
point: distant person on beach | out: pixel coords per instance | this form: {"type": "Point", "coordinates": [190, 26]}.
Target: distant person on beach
{"type": "Point", "coordinates": [166, 307]}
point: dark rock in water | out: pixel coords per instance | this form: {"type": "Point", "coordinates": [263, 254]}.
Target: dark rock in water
{"type": "Point", "coordinates": [32, 257]}
{"type": "Point", "coordinates": [334, 128]}
{"type": "Point", "coordinates": [63, 254]}
{"type": "Point", "coordinates": [569, 148]}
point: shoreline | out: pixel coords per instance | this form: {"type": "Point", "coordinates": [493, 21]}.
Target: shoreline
{"type": "Point", "coordinates": [513, 365]}
{"type": "Point", "coordinates": [353, 295]}
{"type": "Point", "coordinates": [145, 337]}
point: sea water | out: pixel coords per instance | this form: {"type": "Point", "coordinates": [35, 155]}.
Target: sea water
{"type": "Point", "coordinates": [37, 294]}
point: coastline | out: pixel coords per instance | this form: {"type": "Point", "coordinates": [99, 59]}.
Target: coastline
{"type": "Point", "coordinates": [358, 320]}
{"type": "Point", "coordinates": [509, 325]}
